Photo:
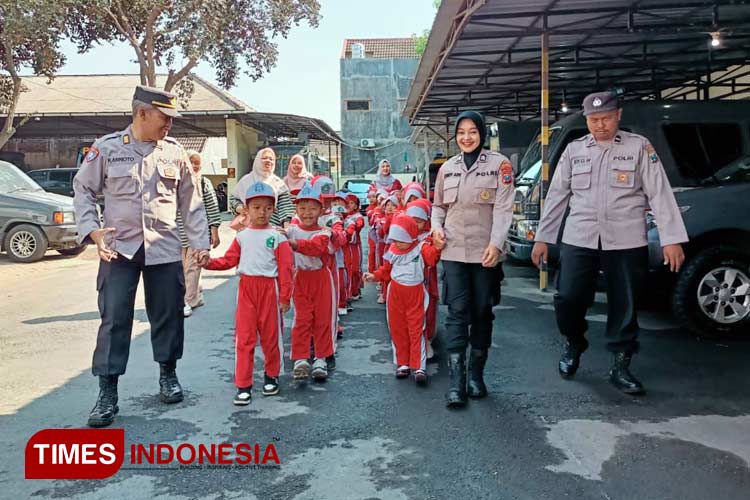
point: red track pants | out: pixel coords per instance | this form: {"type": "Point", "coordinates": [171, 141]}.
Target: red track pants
{"type": "Point", "coordinates": [406, 306]}
{"type": "Point", "coordinates": [314, 313]}
{"type": "Point", "coordinates": [257, 313]}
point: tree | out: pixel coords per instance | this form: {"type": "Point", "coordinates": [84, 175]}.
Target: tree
{"type": "Point", "coordinates": [420, 41]}
{"type": "Point", "coordinates": [179, 34]}
{"type": "Point", "coordinates": [23, 45]}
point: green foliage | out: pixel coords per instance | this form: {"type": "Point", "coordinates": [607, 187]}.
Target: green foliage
{"type": "Point", "coordinates": [420, 41]}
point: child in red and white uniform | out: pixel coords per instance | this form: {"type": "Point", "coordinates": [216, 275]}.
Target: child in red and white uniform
{"type": "Point", "coordinates": [314, 289]}
{"type": "Point", "coordinates": [338, 208]}
{"type": "Point", "coordinates": [413, 191]}
{"type": "Point", "coordinates": [354, 222]}
{"type": "Point", "coordinates": [420, 210]}
{"type": "Point", "coordinates": [373, 210]}
{"type": "Point", "coordinates": [264, 258]}
{"type": "Point", "coordinates": [390, 208]}
{"type": "Point", "coordinates": [404, 267]}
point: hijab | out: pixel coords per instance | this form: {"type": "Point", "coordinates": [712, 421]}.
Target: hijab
{"type": "Point", "coordinates": [384, 181]}
{"type": "Point", "coordinates": [471, 157]}
{"type": "Point", "coordinates": [295, 182]}
{"type": "Point", "coordinates": [258, 175]}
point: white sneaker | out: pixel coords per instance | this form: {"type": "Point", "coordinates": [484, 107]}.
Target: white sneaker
{"type": "Point", "coordinates": [187, 311]}
{"type": "Point", "coordinates": [320, 370]}
{"type": "Point", "coordinates": [430, 352]}
{"type": "Point", "coordinates": [343, 311]}
{"type": "Point", "coordinates": [301, 369]}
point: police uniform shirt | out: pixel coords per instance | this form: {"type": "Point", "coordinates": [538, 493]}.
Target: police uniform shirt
{"type": "Point", "coordinates": [144, 184]}
{"type": "Point", "coordinates": [609, 187]}
{"type": "Point", "coordinates": [474, 206]}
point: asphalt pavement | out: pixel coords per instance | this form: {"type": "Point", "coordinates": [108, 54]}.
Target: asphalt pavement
{"type": "Point", "coordinates": [365, 435]}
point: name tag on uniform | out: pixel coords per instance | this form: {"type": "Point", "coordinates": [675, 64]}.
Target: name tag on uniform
{"type": "Point", "coordinates": [170, 172]}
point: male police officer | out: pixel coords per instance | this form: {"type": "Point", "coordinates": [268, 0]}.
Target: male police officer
{"type": "Point", "coordinates": [609, 178]}
{"type": "Point", "coordinates": [145, 177]}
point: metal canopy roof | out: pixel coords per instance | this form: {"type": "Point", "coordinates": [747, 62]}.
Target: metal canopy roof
{"type": "Point", "coordinates": [485, 54]}
{"type": "Point", "coordinates": [284, 125]}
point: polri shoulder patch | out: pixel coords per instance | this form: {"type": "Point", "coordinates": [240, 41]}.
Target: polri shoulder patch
{"type": "Point", "coordinates": [506, 172]}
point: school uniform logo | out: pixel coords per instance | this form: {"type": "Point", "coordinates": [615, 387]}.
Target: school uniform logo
{"type": "Point", "coordinates": [270, 242]}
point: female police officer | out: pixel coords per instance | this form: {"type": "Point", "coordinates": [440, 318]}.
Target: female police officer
{"type": "Point", "coordinates": [472, 212]}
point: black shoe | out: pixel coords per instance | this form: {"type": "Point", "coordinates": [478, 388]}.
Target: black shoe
{"type": "Point", "coordinates": [170, 390]}
{"type": "Point", "coordinates": [339, 334]}
{"type": "Point", "coordinates": [270, 386]}
{"type": "Point", "coordinates": [349, 306]}
{"type": "Point", "coordinates": [243, 397]}
{"type": "Point", "coordinates": [620, 375]}
{"type": "Point", "coordinates": [104, 411]}
{"type": "Point", "coordinates": [331, 362]}
{"type": "Point", "coordinates": [571, 358]}
{"type": "Point", "coordinates": [477, 360]}
{"type": "Point", "coordinates": [456, 395]}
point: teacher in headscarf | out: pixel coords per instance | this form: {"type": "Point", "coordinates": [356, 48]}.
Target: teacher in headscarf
{"type": "Point", "coordinates": [263, 167]}
{"type": "Point", "coordinates": [472, 212]}
{"type": "Point", "coordinates": [385, 179]}
{"type": "Point", "coordinates": [297, 174]}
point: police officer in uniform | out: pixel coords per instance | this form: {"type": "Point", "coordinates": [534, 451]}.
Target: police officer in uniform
{"type": "Point", "coordinates": [472, 213]}
{"type": "Point", "coordinates": [145, 178]}
{"type": "Point", "coordinates": [609, 178]}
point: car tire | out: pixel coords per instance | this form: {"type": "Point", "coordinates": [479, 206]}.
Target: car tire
{"type": "Point", "coordinates": [25, 243]}
{"type": "Point", "coordinates": [712, 268]}
{"type": "Point", "coordinates": [72, 252]}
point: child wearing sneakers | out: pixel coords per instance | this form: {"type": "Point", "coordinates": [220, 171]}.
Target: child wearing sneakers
{"type": "Point", "coordinates": [353, 224]}
{"type": "Point", "coordinates": [420, 210]}
{"type": "Point", "coordinates": [314, 291]}
{"type": "Point", "coordinates": [263, 257]}
{"type": "Point", "coordinates": [407, 299]}
{"type": "Point", "coordinates": [338, 208]}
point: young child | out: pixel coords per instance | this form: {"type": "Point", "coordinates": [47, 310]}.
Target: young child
{"type": "Point", "coordinates": [390, 207]}
{"type": "Point", "coordinates": [353, 224]}
{"type": "Point", "coordinates": [338, 208]}
{"type": "Point", "coordinates": [420, 211]}
{"type": "Point", "coordinates": [373, 211]}
{"type": "Point", "coordinates": [413, 191]}
{"type": "Point", "coordinates": [404, 267]}
{"type": "Point", "coordinates": [314, 299]}
{"type": "Point", "coordinates": [264, 260]}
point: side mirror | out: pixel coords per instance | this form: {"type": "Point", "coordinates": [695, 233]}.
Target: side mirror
{"type": "Point", "coordinates": [514, 161]}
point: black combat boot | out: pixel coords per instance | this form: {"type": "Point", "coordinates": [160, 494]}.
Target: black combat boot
{"type": "Point", "coordinates": [103, 412]}
{"type": "Point", "coordinates": [456, 395]}
{"type": "Point", "coordinates": [620, 375]}
{"type": "Point", "coordinates": [571, 357]}
{"type": "Point", "coordinates": [477, 360]}
{"type": "Point", "coordinates": [170, 390]}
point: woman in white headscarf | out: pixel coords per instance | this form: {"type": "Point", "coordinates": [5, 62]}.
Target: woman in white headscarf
{"type": "Point", "coordinates": [385, 179]}
{"type": "Point", "coordinates": [297, 174]}
{"type": "Point", "coordinates": [263, 167]}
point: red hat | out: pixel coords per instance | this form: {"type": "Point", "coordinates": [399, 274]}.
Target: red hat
{"type": "Point", "coordinates": [352, 197]}
{"type": "Point", "coordinates": [403, 229]}
{"type": "Point", "coordinates": [418, 209]}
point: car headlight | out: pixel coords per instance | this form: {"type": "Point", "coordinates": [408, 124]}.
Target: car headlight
{"type": "Point", "coordinates": [526, 229]}
{"type": "Point", "coordinates": [63, 217]}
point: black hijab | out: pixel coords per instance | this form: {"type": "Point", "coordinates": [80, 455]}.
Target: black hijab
{"type": "Point", "coordinates": [471, 157]}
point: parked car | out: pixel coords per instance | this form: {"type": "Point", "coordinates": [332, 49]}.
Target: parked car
{"type": "Point", "coordinates": [32, 220]}
{"type": "Point", "coordinates": [705, 149]}
{"type": "Point", "coordinates": [55, 180]}
{"type": "Point", "coordinates": [360, 187]}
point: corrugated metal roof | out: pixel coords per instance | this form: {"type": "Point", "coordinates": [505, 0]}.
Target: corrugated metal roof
{"type": "Point", "coordinates": [485, 54]}
{"type": "Point", "coordinates": [88, 94]}
{"type": "Point", "coordinates": [383, 48]}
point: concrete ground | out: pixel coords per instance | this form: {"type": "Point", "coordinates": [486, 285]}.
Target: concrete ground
{"type": "Point", "coordinates": [366, 435]}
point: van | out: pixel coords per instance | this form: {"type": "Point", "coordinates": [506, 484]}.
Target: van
{"type": "Point", "coordinates": [705, 149]}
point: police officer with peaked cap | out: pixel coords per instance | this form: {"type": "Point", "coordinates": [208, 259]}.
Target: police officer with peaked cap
{"type": "Point", "coordinates": [145, 178]}
{"type": "Point", "coordinates": [609, 178]}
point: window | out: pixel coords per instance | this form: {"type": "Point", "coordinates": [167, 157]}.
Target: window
{"type": "Point", "coordinates": [61, 177]}
{"type": "Point", "coordinates": [358, 105]}
{"type": "Point", "coordinates": [702, 149]}
{"type": "Point", "coordinates": [39, 177]}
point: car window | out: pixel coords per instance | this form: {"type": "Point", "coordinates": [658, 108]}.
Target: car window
{"type": "Point", "coordinates": [702, 149]}
{"type": "Point", "coordinates": [59, 178]}
{"type": "Point", "coordinates": [39, 177]}
{"type": "Point", "coordinates": [13, 179]}
{"type": "Point", "coordinates": [358, 187]}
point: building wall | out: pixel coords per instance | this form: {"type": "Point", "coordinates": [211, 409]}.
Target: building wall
{"type": "Point", "coordinates": [385, 83]}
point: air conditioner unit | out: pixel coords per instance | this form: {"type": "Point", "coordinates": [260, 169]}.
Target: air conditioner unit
{"type": "Point", "coordinates": [367, 143]}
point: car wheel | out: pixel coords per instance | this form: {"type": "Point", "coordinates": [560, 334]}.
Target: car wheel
{"type": "Point", "coordinates": [712, 293]}
{"type": "Point", "coordinates": [72, 252]}
{"type": "Point", "coordinates": [25, 243]}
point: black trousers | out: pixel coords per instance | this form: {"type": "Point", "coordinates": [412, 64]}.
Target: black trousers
{"type": "Point", "coordinates": [625, 272]}
{"type": "Point", "coordinates": [470, 291]}
{"type": "Point", "coordinates": [164, 289]}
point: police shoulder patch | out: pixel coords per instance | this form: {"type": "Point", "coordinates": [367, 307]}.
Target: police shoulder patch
{"type": "Point", "coordinates": [92, 155]}
{"type": "Point", "coordinates": [506, 172]}
{"type": "Point", "coordinates": [651, 152]}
